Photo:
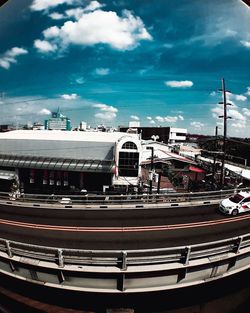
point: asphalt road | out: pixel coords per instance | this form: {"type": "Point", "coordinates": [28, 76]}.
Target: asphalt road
{"type": "Point", "coordinates": [110, 218]}
{"type": "Point", "coordinates": [141, 229]}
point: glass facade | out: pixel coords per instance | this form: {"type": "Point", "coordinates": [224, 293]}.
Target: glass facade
{"type": "Point", "coordinates": [128, 164]}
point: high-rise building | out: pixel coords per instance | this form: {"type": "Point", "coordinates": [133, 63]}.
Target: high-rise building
{"type": "Point", "coordinates": [58, 122]}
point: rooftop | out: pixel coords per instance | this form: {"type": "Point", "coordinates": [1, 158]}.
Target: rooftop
{"type": "Point", "coordinates": [65, 135]}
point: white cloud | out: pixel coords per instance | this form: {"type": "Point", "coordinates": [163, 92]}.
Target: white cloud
{"type": "Point", "coordinates": [73, 96]}
{"type": "Point", "coordinates": [78, 12]}
{"type": "Point", "coordinates": [56, 16]}
{"type": "Point", "coordinates": [80, 80]}
{"type": "Point", "coordinates": [44, 112]}
{"type": "Point", "coordinates": [16, 51]}
{"type": "Point", "coordinates": [106, 116]}
{"type": "Point", "coordinates": [231, 96]}
{"type": "Point", "coordinates": [9, 57]}
{"type": "Point", "coordinates": [220, 124]}
{"type": "Point", "coordinates": [44, 46]}
{"type": "Point", "coordinates": [40, 5]}
{"type": "Point", "coordinates": [5, 64]}
{"type": "Point", "coordinates": [105, 107]}
{"type": "Point", "coordinates": [102, 71]}
{"type": "Point", "coordinates": [240, 98]}
{"type": "Point", "coordinates": [197, 125]}
{"type": "Point", "coordinates": [94, 5]}
{"type": "Point", "coordinates": [214, 37]}
{"type": "Point", "coordinates": [246, 111]}
{"type": "Point", "coordinates": [159, 119]}
{"type": "Point", "coordinates": [213, 93]}
{"type": "Point", "coordinates": [75, 13]}
{"type": "Point", "coordinates": [245, 43]}
{"type": "Point", "coordinates": [152, 122]}
{"type": "Point", "coordinates": [236, 115]}
{"type": "Point", "coordinates": [51, 32]}
{"type": "Point", "coordinates": [179, 84]}
{"type": "Point", "coordinates": [169, 119]}
{"type": "Point", "coordinates": [100, 27]}
{"type": "Point", "coordinates": [107, 112]}
{"type": "Point", "coordinates": [216, 30]}
{"type": "Point", "coordinates": [217, 111]}
{"type": "Point", "coordinates": [29, 108]}
{"type": "Point", "coordinates": [145, 70]}
{"type": "Point", "coordinates": [134, 117]}
{"type": "Point", "coordinates": [239, 125]}
{"type": "Point", "coordinates": [149, 118]}
{"type": "Point", "coordinates": [233, 105]}
{"type": "Point", "coordinates": [239, 119]}
{"type": "Point", "coordinates": [248, 91]}
{"type": "Point", "coordinates": [181, 117]}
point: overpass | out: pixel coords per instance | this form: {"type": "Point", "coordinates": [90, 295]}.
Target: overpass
{"type": "Point", "coordinates": [121, 244]}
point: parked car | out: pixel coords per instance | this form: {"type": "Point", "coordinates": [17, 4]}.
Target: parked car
{"type": "Point", "coordinates": [236, 204]}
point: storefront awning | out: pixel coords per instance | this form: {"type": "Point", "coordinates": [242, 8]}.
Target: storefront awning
{"type": "Point", "coordinates": [76, 165]}
{"type": "Point", "coordinates": [7, 175]}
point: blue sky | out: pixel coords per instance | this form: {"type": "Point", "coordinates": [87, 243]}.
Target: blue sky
{"type": "Point", "coordinates": [113, 61]}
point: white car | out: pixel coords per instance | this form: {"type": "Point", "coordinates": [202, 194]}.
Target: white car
{"type": "Point", "coordinates": [237, 203]}
{"type": "Point", "coordinates": [65, 201]}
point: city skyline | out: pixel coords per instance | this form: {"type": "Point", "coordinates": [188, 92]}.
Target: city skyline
{"type": "Point", "coordinates": [110, 62]}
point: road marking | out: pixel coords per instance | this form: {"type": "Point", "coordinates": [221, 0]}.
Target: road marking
{"type": "Point", "coordinates": [123, 229]}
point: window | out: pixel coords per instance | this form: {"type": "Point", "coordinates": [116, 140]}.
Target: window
{"type": "Point", "coordinates": [181, 134]}
{"type": "Point", "coordinates": [129, 145]}
{"type": "Point", "coordinates": [236, 198]}
{"type": "Point", "coordinates": [246, 199]}
{"type": "Point", "coordinates": [128, 164]}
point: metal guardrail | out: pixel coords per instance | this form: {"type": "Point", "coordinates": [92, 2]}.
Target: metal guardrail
{"type": "Point", "coordinates": [119, 199]}
{"type": "Point", "coordinates": [124, 259]}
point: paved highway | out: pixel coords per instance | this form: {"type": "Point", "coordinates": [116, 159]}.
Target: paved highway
{"type": "Point", "coordinates": [140, 234]}
{"type": "Point", "coordinates": [111, 217]}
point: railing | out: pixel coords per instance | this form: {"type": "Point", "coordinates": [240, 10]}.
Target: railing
{"type": "Point", "coordinates": [119, 199]}
{"type": "Point", "coordinates": [124, 259]}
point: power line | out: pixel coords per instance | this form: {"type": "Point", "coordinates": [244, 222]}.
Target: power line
{"type": "Point", "coordinates": [239, 141]}
{"type": "Point", "coordinates": [26, 101]}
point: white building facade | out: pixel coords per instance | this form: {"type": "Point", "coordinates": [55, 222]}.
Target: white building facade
{"type": "Point", "coordinates": [177, 135]}
{"type": "Point", "coordinates": [60, 162]}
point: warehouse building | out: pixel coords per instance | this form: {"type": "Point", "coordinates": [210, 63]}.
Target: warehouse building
{"type": "Point", "coordinates": [68, 162]}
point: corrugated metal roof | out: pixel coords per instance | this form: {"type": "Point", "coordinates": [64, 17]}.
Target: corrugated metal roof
{"type": "Point", "coordinates": [245, 173]}
{"type": "Point", "coordinates": [61, 144]}
{"type": "Point", "coordinates": [162, 153]}
{"type": "Point", "coordinates": [58, 149]}
{"type": "Point", "coordinates": [65, 135]}
{"type": "Point", "coordinates": [57, 163]}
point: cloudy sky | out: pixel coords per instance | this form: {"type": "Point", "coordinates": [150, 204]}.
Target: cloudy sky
{"type": "Point", "coordinates": [113, 61]}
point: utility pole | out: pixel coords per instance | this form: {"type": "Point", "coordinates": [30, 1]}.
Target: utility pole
{"type": "Point", "coordinates": [151, 169]}
{"type": "Point", "coordinates": [225, 118]}
{"type": "Point", "coordinates": [215, 150]}
{"type": "Point", "coordinates": [159, 182]}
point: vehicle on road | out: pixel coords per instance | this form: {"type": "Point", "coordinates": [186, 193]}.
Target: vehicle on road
{"type": "Point", "coordinates": [236, 204]}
